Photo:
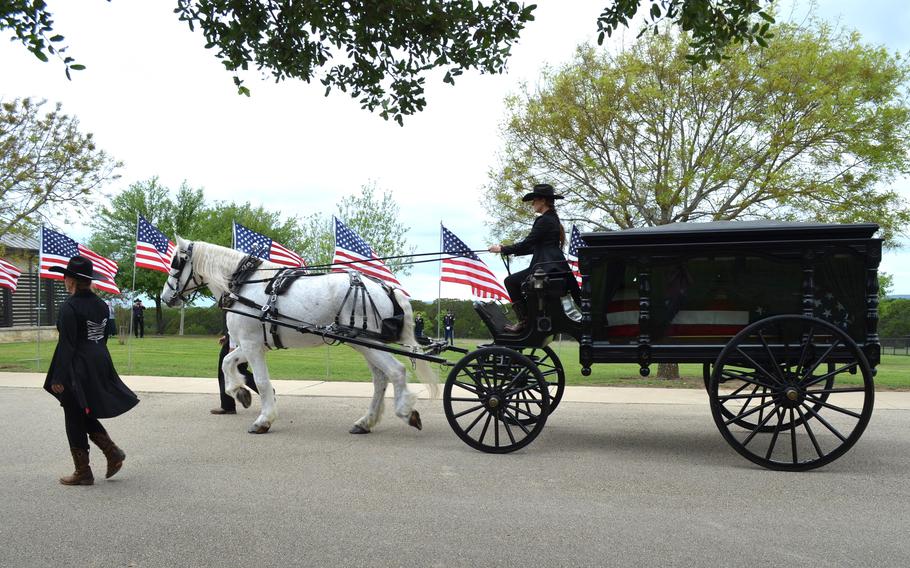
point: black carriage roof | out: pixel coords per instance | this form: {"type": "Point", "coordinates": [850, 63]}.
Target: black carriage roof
{"type": "Point", "coordinates": [732, 231]}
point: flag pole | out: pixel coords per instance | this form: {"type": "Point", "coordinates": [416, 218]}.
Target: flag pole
{"type": "Point", "coordinates": [38, 302]}
{"type": "Point", "coordinates": [439, 284]}
{"type": "Point", "coordinates": [129, 337]}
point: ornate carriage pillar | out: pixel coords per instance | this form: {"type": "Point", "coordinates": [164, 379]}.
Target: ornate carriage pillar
{"type": "Point", "coordinates": [586, 341]}
{"type": "Point", "coordinates": [644, 316]}
{"type": "Point", "coordinates": [873, 259]}
{"type": "Point", "coordinates": [808, 299]}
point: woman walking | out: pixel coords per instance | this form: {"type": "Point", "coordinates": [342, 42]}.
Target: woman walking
{"type": "Point", "coordinates": [82, 376]}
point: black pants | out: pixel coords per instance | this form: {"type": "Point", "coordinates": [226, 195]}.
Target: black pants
{"type": "Point", "coordinates": [227, 402]}
{"type": "Point", "coordinates": [78, 424]}
{"type": "Point", "coordinates": [520, 303]}
{"type": "Point", "coordinates": [513, 287]}
{"type": "Point", "coordinates": [139, 327]}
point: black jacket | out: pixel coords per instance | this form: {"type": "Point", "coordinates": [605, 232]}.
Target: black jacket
{"type": "Point", "coordinates": [82, 363]}
{"type": "Point", "coordinates": [543, 244]}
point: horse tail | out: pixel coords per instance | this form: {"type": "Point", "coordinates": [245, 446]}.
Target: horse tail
{"type": "Point", "coordinates": [425, 372]}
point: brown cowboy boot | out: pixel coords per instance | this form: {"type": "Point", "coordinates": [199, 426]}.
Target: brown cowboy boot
{"type": "Point", "coordinates": [114, 455]}
{"type": "Point", "coordinates": [522, 315]}
{"type": "Point", "coordinates": [83, 473]}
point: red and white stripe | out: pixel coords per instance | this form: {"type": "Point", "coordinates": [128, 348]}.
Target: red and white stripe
{"type": "Point", "coordinates": [9, 275]}
{"type": "Point", "coordinates": [147, 256]}
{"type": "Point", "coordinates": [105, 266]}
{"type": "Point", "coordinates": [473, 273]}
{"type": "Point", "coordinates": [573, 264]}
{"type": "Point", "coordinates": [720, 319]}
{"type": "Point", "coordinates": [370, 266]}
{"type": "Point", "coordinates": [285, 257]}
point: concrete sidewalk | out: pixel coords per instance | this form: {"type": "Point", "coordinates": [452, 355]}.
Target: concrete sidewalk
{"type": "Point", "coordinates": [603, 395]}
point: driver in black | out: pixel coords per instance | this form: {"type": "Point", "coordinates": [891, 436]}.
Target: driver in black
{"type": "Point", "coordinates": [544, 243]}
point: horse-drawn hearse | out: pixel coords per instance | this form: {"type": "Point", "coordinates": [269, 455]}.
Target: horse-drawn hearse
{"type": "Point", "coordinates": [781, 316]}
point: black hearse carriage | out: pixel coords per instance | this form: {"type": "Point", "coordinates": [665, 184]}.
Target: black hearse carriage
{"type": "Point", "coordinates": [782, 316]}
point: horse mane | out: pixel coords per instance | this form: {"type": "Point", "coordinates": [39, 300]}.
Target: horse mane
{"type": "Point", "coordinates": [218, 263]}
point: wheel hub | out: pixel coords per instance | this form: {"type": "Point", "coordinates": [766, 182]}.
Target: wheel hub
{"type": "Point", "coordinates": [494, 402]}
{"type": "Point", "coordinates": [791, 396]}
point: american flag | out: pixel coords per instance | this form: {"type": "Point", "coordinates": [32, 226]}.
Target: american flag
{"type": "Point", "coordinates": [153, 249]}
{"type": "Point", "coordinates": [715, 318]}
{"type": "Point", "coordinates": [57, 249]}
{"type": "Point", "coordinates": [574, 244]}
{"type": "Point", "coordinates": [9, 275]}
{"type": "Point", "coordinates": [259, 245]}
{"type": "Point", "coordinates": [467, 268]}
{"type": "Point", "coordinates": [349, 246]}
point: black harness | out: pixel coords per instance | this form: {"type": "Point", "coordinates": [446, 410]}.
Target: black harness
{"type": "Point", "coordinates": [389, 328]}
{"type": "Point", "coordinates": [177, 265]}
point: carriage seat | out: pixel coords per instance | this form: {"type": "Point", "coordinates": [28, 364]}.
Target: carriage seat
{"type": "Point", "coordinates": [492, 316]}
{"type": "Point", "coordinates": [559, 286]}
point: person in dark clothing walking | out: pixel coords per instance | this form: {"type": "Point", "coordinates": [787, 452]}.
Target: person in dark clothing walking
{"type": "Point", "coordinates": [228, 405]}
{"type": "Point", "coordinates": [448, 323]}
{"type": "Point", "coordinates": [82, 376]}
{"type": "Point", "coordinates": [138, 318]}
{"type": "Point", "coordinates": [418, 326]}
{"type": "Point", "coordinates": [544, 243]}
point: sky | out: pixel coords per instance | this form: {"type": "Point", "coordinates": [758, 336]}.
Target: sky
{"type": "Point", "coordinates": [156, 100]}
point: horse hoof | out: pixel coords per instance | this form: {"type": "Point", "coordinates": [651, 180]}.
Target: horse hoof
{"type": "Point", "coordinates": [258, 429]}
{"type": "Point", "coordinates": [245, 399]}
{"type": "Point", "coordinates": [358, 430]}
{"type": "Point", "coordinates": [414, 420]}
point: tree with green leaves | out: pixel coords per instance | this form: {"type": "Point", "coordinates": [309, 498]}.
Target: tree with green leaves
{"type": "Point", "coordinates": [376, 219]}
{"type": "Point", "coordinates": [214, 224]}
{"type": "Point", "coordinates": [48, 166]}
{"type": "Point", "coordinates": [382, 52]}
{"type": "Point", "coordinates": [812, 128]}
{"type": "Point", "coordinates": [114, 231]}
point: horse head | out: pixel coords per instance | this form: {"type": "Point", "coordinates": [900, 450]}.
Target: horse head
{"type": "Point", "coordinates": [181, 282]}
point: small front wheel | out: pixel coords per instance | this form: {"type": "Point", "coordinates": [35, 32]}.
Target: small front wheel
{"type": "Point", "coordinates": [496, 400]}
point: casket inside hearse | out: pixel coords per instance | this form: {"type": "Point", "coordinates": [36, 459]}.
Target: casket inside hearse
{"type": "Point", "coordinates": [699, 284]}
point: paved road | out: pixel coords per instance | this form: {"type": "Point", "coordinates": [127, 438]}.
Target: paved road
{"type": "Point", "coordinates": [604, 485]}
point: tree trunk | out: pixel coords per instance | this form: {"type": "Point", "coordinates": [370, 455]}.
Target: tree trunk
{"type": "Point", "coordinates": [669, 371]}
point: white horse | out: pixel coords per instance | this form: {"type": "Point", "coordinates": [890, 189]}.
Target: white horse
{"type": "Point", "coordinates": [312, 299]}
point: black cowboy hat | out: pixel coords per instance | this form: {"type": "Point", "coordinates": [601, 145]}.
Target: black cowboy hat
{"type": "Point", "coordinates": [544, 190]}
{"type": "Point", "coordinates": [79, 267]}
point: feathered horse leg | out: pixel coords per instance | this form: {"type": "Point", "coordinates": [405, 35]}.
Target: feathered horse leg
{"type": "Point", "coordinates": [255, 357]}
{"type": "Point", "coordinates": [365, 423]}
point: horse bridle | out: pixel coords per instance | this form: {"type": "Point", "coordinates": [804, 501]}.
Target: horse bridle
{"type": "Point", "coordinates": [184, 293]}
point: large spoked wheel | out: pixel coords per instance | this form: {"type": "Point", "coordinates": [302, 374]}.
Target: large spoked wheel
{"type": "Point", "coordinates": [791, 392]}
{"type": "Point", "coordinates": [761, 394]}
{"type": "Point", "coordinates": [551, 368]}
{"type": "Point", "coordinates": [496, 400]}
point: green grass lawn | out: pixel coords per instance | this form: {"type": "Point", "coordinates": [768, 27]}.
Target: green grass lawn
{"type": "Point", "coordinates": [197, 356]}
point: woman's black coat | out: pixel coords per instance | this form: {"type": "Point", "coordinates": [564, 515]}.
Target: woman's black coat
{"type": "Point", "coordinates": [542, 243]}
{"type": "Point", "coordinates": [82, 363]}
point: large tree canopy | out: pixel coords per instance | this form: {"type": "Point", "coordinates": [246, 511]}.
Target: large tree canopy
{"type": "Point", "coordinates": [47, 165]}
{"type": "Point", "coordinates": [811, 128]}
{"type": "Point", "coordinates": [381, 51]}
